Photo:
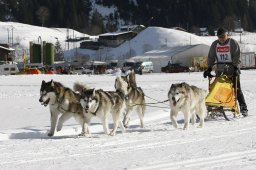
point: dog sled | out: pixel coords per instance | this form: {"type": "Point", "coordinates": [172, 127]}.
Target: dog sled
{"type": "Point", "coordinates": [222, 97]}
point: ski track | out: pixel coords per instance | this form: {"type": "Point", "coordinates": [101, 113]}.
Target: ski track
{"type": "Point", "coordinates": [202, 162]}
{"type": "Point", "coordinates": [102, 147]}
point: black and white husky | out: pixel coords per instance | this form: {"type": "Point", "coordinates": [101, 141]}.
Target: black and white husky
{"type": "Point", "coordinates": [64, 101]}
{"type": "Point", "coordinates": [101, 103]}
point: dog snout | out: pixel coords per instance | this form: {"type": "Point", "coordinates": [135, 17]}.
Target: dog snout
{"type": "Point", "coordinates": [40, 100]}
{"type": "Point", "coordinates": [173, 98]}
{"type": "Point", "coordinates": [87, 107]}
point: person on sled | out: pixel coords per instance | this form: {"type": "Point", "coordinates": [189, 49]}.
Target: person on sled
{"type": "Point", "coordinates": [225, 53]}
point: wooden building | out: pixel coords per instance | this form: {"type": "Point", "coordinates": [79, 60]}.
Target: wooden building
{"type": "Point", "coordinates": [6, 53]}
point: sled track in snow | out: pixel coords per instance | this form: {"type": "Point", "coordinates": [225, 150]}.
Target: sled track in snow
{"type": "Point", "coordinates": [200, 162]}
{"type": "Point", "coordinates": [99, 149]}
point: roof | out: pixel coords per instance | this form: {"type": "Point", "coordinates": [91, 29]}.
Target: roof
{"type": "Point", "coordinates": [5, 48]}
{"type": "Point", "coordinates": [166, 52]}
{"type": "Point", "coordinates": [115, 33]}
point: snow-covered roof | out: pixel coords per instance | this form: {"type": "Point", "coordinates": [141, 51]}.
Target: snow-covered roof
{"type": "Point", "coordinates": [166, 52]}
{"type": "Point", "coordinates": [5, 48]}
{"type": "Point", "coordinates": [114, 33]}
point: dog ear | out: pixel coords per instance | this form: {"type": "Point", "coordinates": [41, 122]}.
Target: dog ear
{"type": "Point", "coordinates": [93, 91]}
{"type": "Point", "coordinates": [43, 82]}
{"type": "Point", "coordinates": [132, 79]}
{"type": "Point", "coordinates": [52, 83]}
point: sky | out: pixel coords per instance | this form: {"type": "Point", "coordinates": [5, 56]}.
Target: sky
{"type": "Point", "coordinates": [25, 122]}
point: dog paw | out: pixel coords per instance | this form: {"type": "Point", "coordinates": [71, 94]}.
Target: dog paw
{"type": "Point", "coordinates": [50, 134]}
{"type": "Point", "coordinates": [112, 133]}
{"type": "Point", "coordinates": [185, 128]}
{"type": "Point", "coordinates": [83, 134]}
{"type": "Point", "coordinates": [126, 126]}
{"type": "Point", "coordinates": [175, 126]}
{"type": "Point", "coordinates": [59, 127]}
{"type": "Point", "coordinates": [199, 126]}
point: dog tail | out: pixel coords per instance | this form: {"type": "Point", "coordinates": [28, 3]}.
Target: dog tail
{"type": "Point", "coordinates": [79, 87]}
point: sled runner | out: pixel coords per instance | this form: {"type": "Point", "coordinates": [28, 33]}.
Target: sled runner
{"type": "Point", "coordinates": [222, 97]}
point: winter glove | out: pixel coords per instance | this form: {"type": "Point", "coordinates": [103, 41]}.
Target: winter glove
{"type": "Point", "coordinates": [207, 73]}
{"type": "Point", "coordinates": [236, 72]}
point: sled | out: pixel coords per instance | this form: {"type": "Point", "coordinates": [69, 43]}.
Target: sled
{"type": "Point", "coordinates": [222, 97]}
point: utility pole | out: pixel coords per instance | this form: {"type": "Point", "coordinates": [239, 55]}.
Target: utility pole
{"type": "Point", "coordinates": [41, 43]}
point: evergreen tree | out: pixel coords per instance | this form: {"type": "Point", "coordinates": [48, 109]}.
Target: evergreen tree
{"type": "Point", "coordinates": [59, 53]}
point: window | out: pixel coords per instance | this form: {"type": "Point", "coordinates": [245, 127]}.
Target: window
{"type": "Point", "coordinates": [6, 69]}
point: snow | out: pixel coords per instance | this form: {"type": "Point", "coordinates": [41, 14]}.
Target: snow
{"type": "Point", "coordinates": [23, 130]}
{"type": "Point", "coordinates": [152, 38]}
{"type": "Point", "coordinates": [25, 144]}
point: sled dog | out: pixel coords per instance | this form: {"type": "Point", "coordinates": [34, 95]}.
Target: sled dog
{"type": "Point", "coordinates": [101, 103]}
{"type": "Point", "coordinates": [188, 99]}
{"type": "Point", "coordinates": [61, 100]}
{"type": "Point", "coordinates": [135, 98]}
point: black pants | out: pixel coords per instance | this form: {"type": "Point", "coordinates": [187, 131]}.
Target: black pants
{"type": "Point", "coordinates": [240, 95]}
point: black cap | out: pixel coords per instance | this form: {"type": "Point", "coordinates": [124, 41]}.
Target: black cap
{"type": "Point", "coordinates": [221, 31]}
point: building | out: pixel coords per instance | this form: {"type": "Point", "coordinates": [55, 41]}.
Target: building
{"type": "Point", "coordinates": [180, 54]}
{"type": "Point", "coordinates": [6, 53]}
{"type": "Point", "coordinates": [134, 28]}
{"type": "Point", "coordinates": [115, 39]}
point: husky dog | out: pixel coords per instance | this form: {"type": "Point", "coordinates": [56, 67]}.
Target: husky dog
{"type": "Point", "coordinates": [188, 99]}
{"type": "Point", "coordinates": [134, 98]}
{"type": "Point", "coordinates": [101, 103]}
{"type": "Point", "coordinates": [61, 100]}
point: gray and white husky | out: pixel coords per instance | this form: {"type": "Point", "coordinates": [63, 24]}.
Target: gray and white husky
{"type": "Point", "coordinates": [188, 99]}
{"type": "Point", "coordinates": [64, 101]}
{"type": "Point", "coordinates": [101, 103]}
{"type": "Point", "coordinates": [135, 98]}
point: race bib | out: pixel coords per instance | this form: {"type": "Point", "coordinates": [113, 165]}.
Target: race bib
{"type": "Point", "coordinates": [223, 53]}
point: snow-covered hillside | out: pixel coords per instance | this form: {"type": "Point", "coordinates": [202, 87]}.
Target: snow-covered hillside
{"type": "Point", "coordinates": [149, 39]}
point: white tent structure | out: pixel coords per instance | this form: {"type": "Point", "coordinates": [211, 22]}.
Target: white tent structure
{"type": "Point", "coordinates": [179, 54]}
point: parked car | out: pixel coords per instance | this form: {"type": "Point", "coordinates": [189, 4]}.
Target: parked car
{"type": "Point", "coordinates": [174, 68]}
{"type": "Point", "coordinates": [8, 68]}
{"type": "Point", "coordinates": [78, 70]}
{"type": "Point", "coordinates": [143, 67]}
{"type": "Point", "coordinates": [138, 66]}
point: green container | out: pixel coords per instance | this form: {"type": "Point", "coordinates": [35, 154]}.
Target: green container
{"type": "Point", "coordinates": [36, 58]}
{"type": "Point", "coordinates": [49, 54]}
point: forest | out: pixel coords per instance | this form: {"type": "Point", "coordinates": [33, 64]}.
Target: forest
{"type": "Point", "coordinates": [82, 16]}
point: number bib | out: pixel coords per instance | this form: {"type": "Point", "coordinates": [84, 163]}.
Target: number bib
{"type": "Point", "coordinates": [223, 53]}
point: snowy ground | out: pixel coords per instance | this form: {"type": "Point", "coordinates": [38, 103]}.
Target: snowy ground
{"type": "Point", "coordinates": [25, 145]}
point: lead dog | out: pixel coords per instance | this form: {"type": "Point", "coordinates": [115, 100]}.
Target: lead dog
{"type": "Point", "coordinates": [101, 103]}
{"type": "Point", "coordinates": [64, 101]}
{"type": "Point", "coordinates": [188, 99]}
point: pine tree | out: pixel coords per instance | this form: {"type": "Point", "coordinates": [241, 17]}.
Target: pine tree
{"type": "Point", "coordinates": [59, 53]}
